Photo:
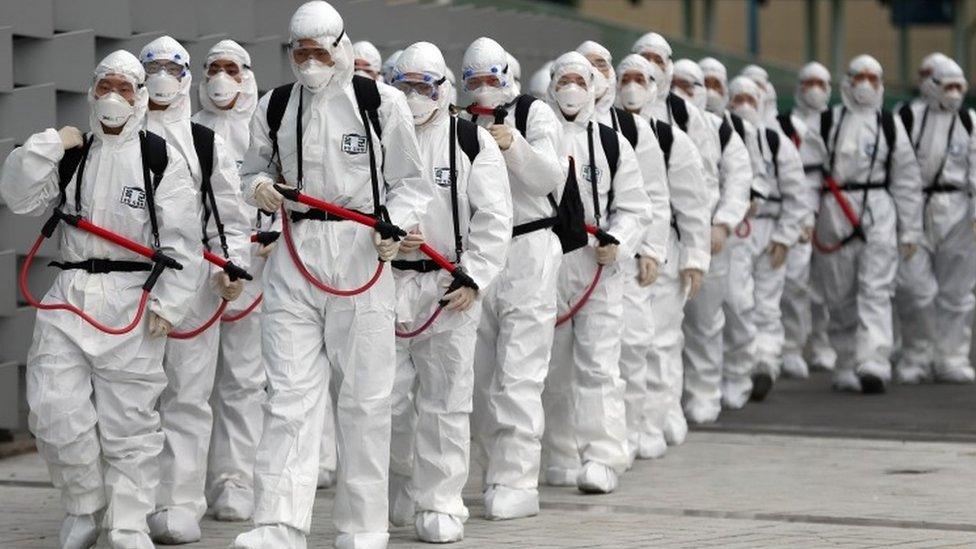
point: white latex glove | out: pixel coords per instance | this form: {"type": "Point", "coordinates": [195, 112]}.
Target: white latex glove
{"type": "Point", "coordinates": [158, 326]}
{"type": "Point", "coordinates": [267, 198]}
{"type": "Point", "coordinates": [71, 137]}
{"type": "Point", "coordinates": [386, 249]}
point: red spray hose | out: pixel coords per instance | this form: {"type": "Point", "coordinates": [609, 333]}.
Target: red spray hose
{"type": "Point", "coordinates": [160, 260]}
{"type": "Point", "coordinates": [235, 273]}
{"type": "Point", "coordinates": [604, 238]}
{"type": "Point", "coordinates": [849, 213]}
{"type": "Point", "coordinates": [744, 228]}
{"type": "Point", "coordinates": [497, 113]}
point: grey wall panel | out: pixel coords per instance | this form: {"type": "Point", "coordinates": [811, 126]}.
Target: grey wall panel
{"type": "Point", "coordinates": [268, 61]}
{"type": "Point", "coordinates": [237, 18]}
{"type": "Point", "coordinates": [28, 17]}
{"type": "Point", "coordinates": [175, 17]}
{"type": "Point", "coordinates": [108, 18]}
{"type": "Point", "coordinates": [45, 60]}
{"type": "Point", "coordinates": [73, 110]}
{"type": "Point", "coordinates": [15, 332]}
{"type": "Point", "coordinates": [6, 145]}
{"type": "Point", "coordinates": [10, 407]}
{"type": "Point", "coordinates": [26, 110]}
{"type": "Point", "coordinates": [8, 283]}
{"type": "Point", "coordinates": [6, 59]}
{"type": "Point", "coordinates": [134, 43]}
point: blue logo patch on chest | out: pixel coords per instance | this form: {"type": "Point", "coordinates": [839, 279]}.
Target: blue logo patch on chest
{"type": "Point", "coordinates": [354, 143]}
{"type": "Point", "coordinates": [133, 197]}
{"type": "Point", "coordinates": [442, 176]}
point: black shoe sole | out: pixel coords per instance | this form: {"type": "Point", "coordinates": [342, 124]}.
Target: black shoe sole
{"type": "Point", "coordinates": [761, 385]}
{"type": "Point", "coordinates": [872, 385]}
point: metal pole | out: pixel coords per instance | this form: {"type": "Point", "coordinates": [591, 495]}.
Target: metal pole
{"type": "Point", "coordinates": [836, 36]}
{"type": "Point", "coordinates": [813, 29]}
{"type": "Point", "coordinates": [709, 21]}
{"type": "Point", "coordinates": [689, 13]}
{"type": "Point", "coordinates": [752, 27]}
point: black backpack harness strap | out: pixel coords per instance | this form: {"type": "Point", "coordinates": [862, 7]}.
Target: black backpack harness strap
{"type": "Point", "coordinates": [368, 100]}
{"type": "Point", "coordinates": [523, 104]}
{"type": "Point", "coordinates": [724, 134]}
{"type": "Point", "coordinates": [154, 161]}
{"type": "Point", "coordinates": [678, 111]}
{"type": "Point", "coordinates": [203, 144]}
{"type": "Point", "coordinates": [886, 127]}
{"type": "Point", "coordinates": [772, 140]}
{"type": "Point", "coordinates": [624, 123]}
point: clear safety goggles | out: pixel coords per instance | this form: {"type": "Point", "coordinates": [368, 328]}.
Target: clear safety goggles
{"type": "Point", "coordinates": [425, 84]}
{"type": "Point", "coordinates": [319, 52]}
{"type": "Point", "coordinates": [177, 70]}
{"type": "Point", "coordinates": [495, 76]}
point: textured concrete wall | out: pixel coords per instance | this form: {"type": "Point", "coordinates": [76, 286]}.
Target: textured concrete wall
{"type": "Point", "coordinates": [49, 47]}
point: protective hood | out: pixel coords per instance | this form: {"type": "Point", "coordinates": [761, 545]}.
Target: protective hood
{"type": "Point", "coordinates": [864, 99]}
{"type": "Point", "coordinates": [247, 101]}
{"type": "Point", "coordinates": [426, 59]}
{"type": "Point", "coordinates": [715, 102]}
{"type": "Point", "coordinates": [812, 102]}
{"type": "Point", "coordinates": [539, 83]}
{"type": "Point", "coordinates": [320, 22]}
{"type": "Point", "coordinates": [655, 43]}
{"type": "Point", "coordinates": [166, 48]}
{"type": "Point", "coordinates": [386, 74]}
{"type": "Point", "coordinates": [743, 85]}
{"type": "Point", "coordinates": [515, 70]}
{"type": "Point", "coordinates": [689, 71]}
{"type": "Point", "coordinates": [948, 72]}
{"type": "Point", "coordinates": [124, 64]}
{"type": "Point", "coordinates": [927, 89]}
{"type": "Point", "coordinates": [605, 87]}
{"type": "Point", "coordinates": [652, 74]}
{"type": "Point", "coordinates": [768, 107]}
{"type": "Point", "coordinates": [367, 52]}
{"type": "Point", "coordinates": [572, 63]}
{"type": "Point", "coordinates": [486, 57]}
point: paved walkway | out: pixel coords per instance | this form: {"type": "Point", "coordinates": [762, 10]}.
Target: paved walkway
{"type": "Point", "coordinates": [717, 490]}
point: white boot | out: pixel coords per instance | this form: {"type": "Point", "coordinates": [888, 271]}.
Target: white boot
{"type": "Point", "coordinates": [557, 476]}
{"type": "Point", "coordinates": [267, 536]}
{"type": "Point", "coordinates": [233, 503]}
{"type": "Point", "coordinates": [504, 503]}
{"type": "Point", "coordinates": [912, 373]}
{"type": "Point", "coordinates": [129, 539]}
{"type": "Point", "coordinates": [675, 427]}
{"type": "Point", "coordinates": [434, 527]}
{"type": "Point", "coordinates": [173, 526]}
{"type": "Point", "coordinates": [362, 540]}
{"type": "Point", "coordinates": [596, 478]}
{"type": "Point", "coordinates": [735, 393]}
{"type": "Point", "coordinates": [401, 503]}
{"type": "Point", "coordinates": [795, 367]}
{"type": "Point", "coordinates": [79, 532]}
{"type": "Point", "coordinates": [846, 380]}
{"type": "Point", "coordinates": [960, 374]}
{"type": "Point", "coordinates": [327, 478]}
{"type": "Point", "coordinates": [651, 446]}
{"type": "Point", "coordinates": [699, 412]}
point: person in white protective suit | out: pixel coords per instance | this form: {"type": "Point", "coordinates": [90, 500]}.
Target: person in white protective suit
{"type": "Point", "coordinates": [804, 313]}
{"type": "Point", "coordinates": [879, 176]}
{"type": "Point", "coordinates": [309, 335]}
{"type": "Point", "coordinates": [539, 83]}
{"type": "Point", "coordinates": [386, 70]}
{"type": "Point", "coordinates": [653, 331]}
{"type": "Point", "coordinates": [368, 61]}
{"type": "Point", "coordinates": [515, 70]}
{"type": "Point", "coordinates": [92, 396]}
{"type": "Point", "coordinates": [640, 268]}
{"type": "Point", "coordinates": [584, 383]}
{"type": "Point", "coordinates": [452, 90]}
{"type": "Point", "coordinates": [229, 95]}
{"type": "Point", "coordinates": [191, 364]}
{"type": "Point", "coordinates": [934, 295]}
{"type": "Point", "coordinates": [519, 309]}
{"type": "Point", "coordinates": [927, 89]}
{"type": "Point", "coordinates": [470, 222]}
{"type": "Point", "coordinates": [704, 320]}
{"type": "Point", "coordinates": [754, 331]}
{"type": "Point", "coordinates": [666, 365]}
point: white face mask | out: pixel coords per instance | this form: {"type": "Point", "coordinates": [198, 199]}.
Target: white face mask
{"type": "Point", "coordinates": [633, 96]}
{"type": "Point", "coordinates": [421, 106]}
{"type": "Point", "coordinates": [113, 110]}
{"type": "Point", "coordinates": [571, 99]}
{"type": "Point", "coordinates": [222, 89]}
{"type": "Point", "coordinates": [315, 76]}
{"type": "Point", "coordinates": [748, 113]}
{"type": "Point", "coordinates": [865, 94]}
{"type": "Point", "coordinates": [488, 96]}
{"type": "Point", "coordinates": [714, 101]}
{"type": "Point", "coordinates": [163, 87]}
{"type": "Point", "coordinates": [952, 101]}
{"type": "Point", "coordinates": [928, 88]}
{"type": "Point", "coordinates": [600, 83]}
{"type": "Point", "coordinates": [700, 98]}
{"type": "Point", "coordinates": [816, 98]}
